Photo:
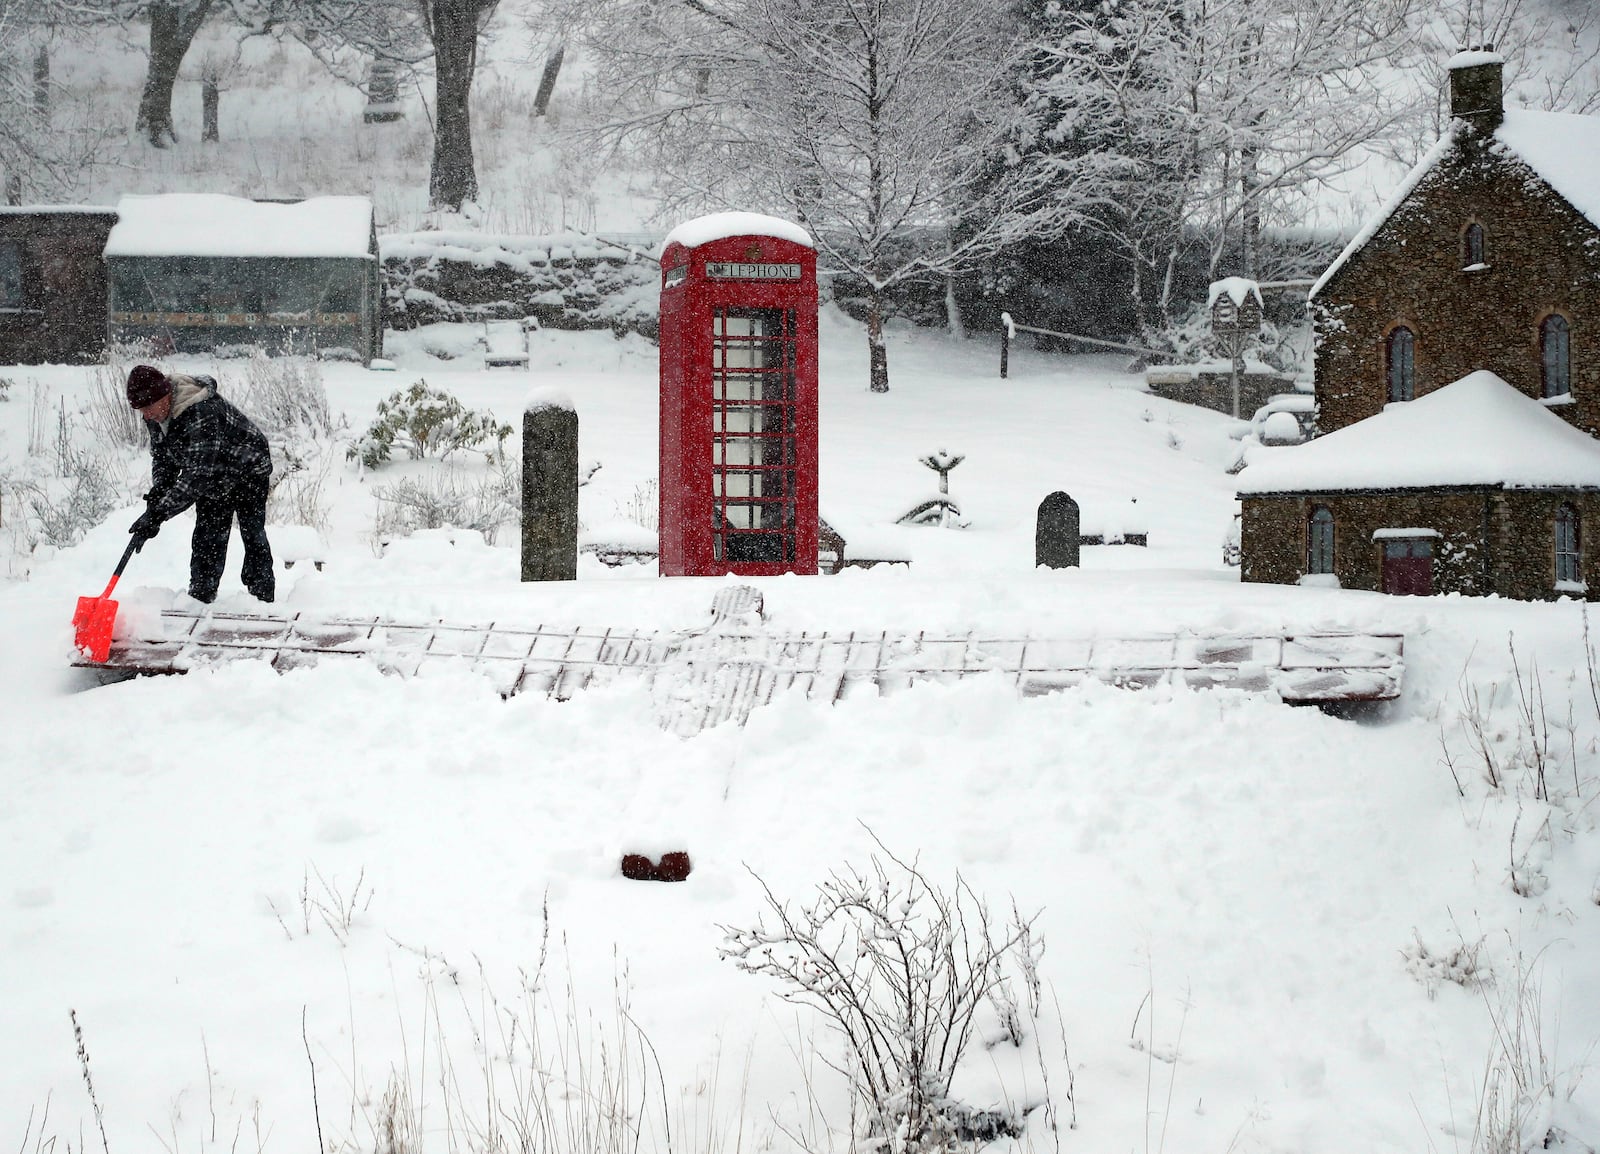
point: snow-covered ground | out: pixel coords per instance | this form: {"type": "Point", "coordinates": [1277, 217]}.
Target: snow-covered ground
{"type": "Point", "coordinates": [1267, 928]}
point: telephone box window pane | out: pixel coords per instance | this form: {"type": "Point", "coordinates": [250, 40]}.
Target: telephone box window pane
{"type": "Point", "coordinates": [1408, 547]}
{"type": "Point", "coordinates": [758, 548]}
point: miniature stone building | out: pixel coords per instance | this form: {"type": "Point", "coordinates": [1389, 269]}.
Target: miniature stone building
{"type": "Point", "coordinates": [1486, 258]}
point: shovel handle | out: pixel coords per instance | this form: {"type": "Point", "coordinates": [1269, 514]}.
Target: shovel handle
{"type": "Point", "coordinates": [134, 546]}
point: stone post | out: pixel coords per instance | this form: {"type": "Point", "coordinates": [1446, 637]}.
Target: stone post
{"type": "Point", "coordinates": [549, 487]}
{"type": "Point", "coordinates": [1055, 538]}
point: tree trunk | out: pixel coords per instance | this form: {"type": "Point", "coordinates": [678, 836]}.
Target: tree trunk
{"type": "Point", "coordinates": [453, 179]}
{"type": "Point", "coordinates": [172, 30]}
{"type": "Point", "coordinates": [875, 348]}
{"type": "Point", "coordinates": [41, 82]}
{"type": "Point", "coordinates": [1249, 213]}
{"type": "Point", "coordinates": [210, 102]}
{"type": "Point", "coordinates": [547, 81]}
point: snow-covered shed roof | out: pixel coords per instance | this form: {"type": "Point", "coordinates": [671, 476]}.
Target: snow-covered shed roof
{"type": "Point", "coordinates": [1561, 147]}
{"type": "Point", "coordinates": [210, 224]}
{"type": "Point", "coordinates": [53, 209]}
{"type": "Point", "coordinates": [1476, 431]}
{"type": "Point", "coordinates": [705, 229]}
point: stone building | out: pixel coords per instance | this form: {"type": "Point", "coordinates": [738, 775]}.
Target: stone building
{"type": "Point", "coordinates": [1476, 287]}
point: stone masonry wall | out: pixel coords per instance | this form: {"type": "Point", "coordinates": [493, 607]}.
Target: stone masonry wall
{"type": "Point", "coordinates": [1542, 257]}
{"type": "Point", "coordinates": [1490, 541]}
{"type": "Point", "coordinates": [566, 282]}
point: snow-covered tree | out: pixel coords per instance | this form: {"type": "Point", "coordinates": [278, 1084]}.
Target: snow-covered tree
{"type": "Point", "coordinates": [45, 147]}
{"type": "Point", "coordinates": [875, 123]}
{"type": "Point", "coordinates": [1209, 116]}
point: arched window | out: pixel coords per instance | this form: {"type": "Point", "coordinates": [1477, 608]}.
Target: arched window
{"type": "Point", "coordinates": [1569, 560]}
{"type": "Point", "coordinates": [1555, 353]}
{"type": "Point", "coordinates": [1472, 246]}
{"type": "Point", "coordinates": [1402, 362]}
{"type": "Point", "coordinates": [1319, 541]}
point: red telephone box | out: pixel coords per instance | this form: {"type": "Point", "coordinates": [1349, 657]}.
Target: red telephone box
{"type": "Point", "coordinates": [738, 397]}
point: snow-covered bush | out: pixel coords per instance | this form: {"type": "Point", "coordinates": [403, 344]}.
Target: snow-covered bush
{"type": "Point", "coordinates": [902, 970]}
{"type": "Point", "coordinates": [440, 499]}
{"type": "Point", "coordinates": [59, 511]}
{"type": "Point", "coordinates": [426, 421]}
{"type": "Point", "coordinates": [112, 421]}
{"type": "Point", "coordinates": [284, 396]}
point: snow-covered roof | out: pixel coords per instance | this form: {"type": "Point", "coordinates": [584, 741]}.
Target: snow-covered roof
{"type": "Point", "coordinates": [1561, 147]}
{"type": "Point", "coordinates": [1238, 288]}
{"type": "Point", "coordinates": [210, 224]}
{"type": "Point", "coordinates": [47, 209]}
{"type": "Point", "coordinates": [1476, 431]}
{"type": "Point", "coordinates": [1472, 57]}
{"type": "Point", "coordinates": [705, 229]}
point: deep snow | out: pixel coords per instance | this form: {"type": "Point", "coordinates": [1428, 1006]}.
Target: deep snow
{"type": "Point", "coordinates": [1232, 891]}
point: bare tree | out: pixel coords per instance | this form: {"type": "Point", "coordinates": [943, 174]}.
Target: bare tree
{"type": "Point", "coordinates": [876, 123]}
{"type": "Point", "coordinates": [47, 144]}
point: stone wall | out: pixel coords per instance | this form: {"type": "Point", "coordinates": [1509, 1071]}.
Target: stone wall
{"type": "Point", "coordinates": [565, 282]}
{"type": "Point", "coordinates": [1490, 540]}
{"type": "Point", "coordinates": [1541, 256]}
{"type": "Point", "coordinates": [1211, 389]}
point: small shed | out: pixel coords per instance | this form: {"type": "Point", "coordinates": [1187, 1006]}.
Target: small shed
{"type": "Point", "coordinates": [198, 272]}
{"type": "Point", "coordinates": [53, 283]}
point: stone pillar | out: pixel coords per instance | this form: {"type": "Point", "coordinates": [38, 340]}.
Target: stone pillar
{"type": "Point", "coordinates": [1055, 538]}
{"type": "Point", "coordinates": [549, 487]}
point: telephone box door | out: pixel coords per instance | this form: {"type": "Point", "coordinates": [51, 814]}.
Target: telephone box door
{"type": "Point", "coordinates": [738, 401]}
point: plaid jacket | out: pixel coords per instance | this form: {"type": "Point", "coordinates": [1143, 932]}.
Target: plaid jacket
{"type": "Point", "coordinates": [210, 450]}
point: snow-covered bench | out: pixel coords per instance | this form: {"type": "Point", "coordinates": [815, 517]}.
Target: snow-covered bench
{"type": "Point", "coordinates": [293, 543]}
{"type": "Point", "coordinates": [862, 548]}
{"type": "Point", "coordinates": [505, 345]}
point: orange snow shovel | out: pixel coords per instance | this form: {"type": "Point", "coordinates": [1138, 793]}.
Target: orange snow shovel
{"type": "Point", "coordinates": [96, 615]}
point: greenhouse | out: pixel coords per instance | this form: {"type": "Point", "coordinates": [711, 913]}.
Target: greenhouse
{"type": "Point", "coordinates": [197, 272]}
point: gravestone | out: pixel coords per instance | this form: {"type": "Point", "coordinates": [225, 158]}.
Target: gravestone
{"type": "Point", "coordinates": [1055, 539]}
{"type": "Point", "coordinates": [549, 488]}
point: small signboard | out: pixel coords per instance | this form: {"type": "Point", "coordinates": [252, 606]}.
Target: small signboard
{"type": "Point", "coordinates": [751, 270]}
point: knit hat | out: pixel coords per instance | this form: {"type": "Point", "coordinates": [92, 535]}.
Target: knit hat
{"type": "Point", "coordinates": [146, 386]}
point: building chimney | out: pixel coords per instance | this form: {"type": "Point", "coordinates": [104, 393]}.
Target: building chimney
{"type": "Point", "coordinates": [1475, 88]}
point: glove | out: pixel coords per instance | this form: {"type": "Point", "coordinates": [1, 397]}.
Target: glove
{"type": "Point", "coordinates": [146, 527]}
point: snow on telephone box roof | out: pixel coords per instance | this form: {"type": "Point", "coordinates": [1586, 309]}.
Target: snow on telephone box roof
{"type": "Point", "coordinates": [705, 229]}
{"type": "Point", "coordinates": [211, 224]}
{"type": "Point", "coordinates": [1476, 431]}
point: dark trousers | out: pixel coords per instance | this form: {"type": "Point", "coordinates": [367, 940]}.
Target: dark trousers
{"type": "Point", "coordinates": [213, 518]}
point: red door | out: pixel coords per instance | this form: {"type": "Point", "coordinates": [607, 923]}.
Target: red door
{"type": "Point", "coordinates": [1408, 567]}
